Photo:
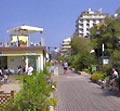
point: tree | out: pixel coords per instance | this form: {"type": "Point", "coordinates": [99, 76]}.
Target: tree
{"type": "Point", "coordinates": [109, 34]}
{"type": "Point", "coordinates": [81, 58]}
{"type": "Point", "coordinates": [80, 45]}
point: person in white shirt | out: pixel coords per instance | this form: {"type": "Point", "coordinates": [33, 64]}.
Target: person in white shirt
{"type": "Point", "coordinates": [114, 77]}
{"type": "Point", "coordinates": [29, 70]}
{"type": "Point", "coordinates": [65, 67]}
{"type": "Point", "coordinates": [115, 73]}
{"type": "Point", "coordinates": [0, 71]}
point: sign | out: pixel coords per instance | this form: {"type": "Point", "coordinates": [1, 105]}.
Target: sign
{"type": "Point", "coordinates": [105, 61]}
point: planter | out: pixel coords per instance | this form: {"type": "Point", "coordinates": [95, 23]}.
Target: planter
{"type": "Point", "coordinates": [23, 45]}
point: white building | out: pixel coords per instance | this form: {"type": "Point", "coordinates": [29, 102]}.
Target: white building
{"type": "Point", "coordinates": [117, 13]}
{"type": "Point", "coordinates": [18, 51]}
{"type": "Point", "coordinates": [65, 46]}
{"type": "Point", "coordinates": [87, 20]}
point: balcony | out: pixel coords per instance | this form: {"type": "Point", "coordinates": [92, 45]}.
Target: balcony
{"type": "Point", "coordinates": [17, 44]}
{"type": "Point", "coordinates": [20, 37]}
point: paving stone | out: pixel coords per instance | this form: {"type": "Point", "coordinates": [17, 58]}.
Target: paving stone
{"type": "Point", "coordinates": [77, 93]}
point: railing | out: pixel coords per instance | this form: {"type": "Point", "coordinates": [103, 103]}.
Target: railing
{"type": "Point", "coordinates": [5, 97]}
{"type": "Point", "coordinates": [15, 44]}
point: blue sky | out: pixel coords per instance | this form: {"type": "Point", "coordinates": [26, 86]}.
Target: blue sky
{"type": "Point", "coordinates": [57, 17]}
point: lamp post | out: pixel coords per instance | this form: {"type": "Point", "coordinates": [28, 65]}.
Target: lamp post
{"type": "Point", "coordinates": [103, 54]}
{"type": "Point", "coordinates": [98, 51]}
{"type": "Point", "coordinates": [98, 35]}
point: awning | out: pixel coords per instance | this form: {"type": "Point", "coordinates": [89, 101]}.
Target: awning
{"type": "Point", "coordinates": [25, 29]}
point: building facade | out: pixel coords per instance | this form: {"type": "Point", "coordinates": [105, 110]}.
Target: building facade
{"type": "Point", "coordinates": [65, 46]}
{"type": "Point", "coordinates": [86, 20]}
{"type": "Point", "coordinates": [117, 13]}
{"type": "Point", "coordinates": [19, 52]}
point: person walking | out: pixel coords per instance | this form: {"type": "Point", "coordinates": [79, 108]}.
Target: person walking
{"type": "Point", "coordinates": [65, 67]}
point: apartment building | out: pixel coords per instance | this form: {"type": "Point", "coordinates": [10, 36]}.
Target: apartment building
{"type": "Point", "coordinates": [65, 46]}
{"type": "Point", "coordinates": [117, 13]}
{"type": "Point", "coordinates": [88, 19]}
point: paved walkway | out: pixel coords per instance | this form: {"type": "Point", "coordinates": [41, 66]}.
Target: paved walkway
{"type": "Point", "coordinates": [77, 93]}
{"type": "Point", "coordinates": [11, 85]}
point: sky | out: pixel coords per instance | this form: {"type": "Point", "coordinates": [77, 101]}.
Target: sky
{"type": "Point", "coordinates": [56, 17]}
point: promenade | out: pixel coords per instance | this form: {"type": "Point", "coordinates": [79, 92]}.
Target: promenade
{"type": "Point", "coordinates": [11, 85]}
{"type": "Point", "coordinates": [77, 93]}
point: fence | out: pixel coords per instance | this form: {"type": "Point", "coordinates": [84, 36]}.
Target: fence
{"type": "Point", "coordinates": [4, 97]}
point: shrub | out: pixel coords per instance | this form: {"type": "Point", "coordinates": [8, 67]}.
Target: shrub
{"type": "Point", "coordinates": [97, 76]}
{"type": "Point", "coordinates": [82, 61]}
{"type": "Point", "coordinates": [86, 70]}
{"type": "Point", "coordinates": [52, 101]}
{"type": "Point", "coordinates": [107, 69]}
{"type": "Point", "coordinates": [33, 95]}
{"type": "Point", "coordinates": [94, 77]}
{"type": "Point", "coordinates": [107, 78]}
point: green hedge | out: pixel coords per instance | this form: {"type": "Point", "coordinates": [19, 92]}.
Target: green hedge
{"type": "Point", "coordinates": [34, 95]}
{"type": "Point", "coordinates": [97, 76]}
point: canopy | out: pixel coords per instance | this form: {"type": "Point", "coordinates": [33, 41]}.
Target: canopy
{"type": "Point", "coordinates": [25, 29]}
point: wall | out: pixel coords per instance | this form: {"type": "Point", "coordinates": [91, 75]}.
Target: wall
{"type": "Point", "coordinates": [14, 62]}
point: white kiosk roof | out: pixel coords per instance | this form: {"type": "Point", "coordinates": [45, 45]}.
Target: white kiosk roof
{"type": "Point", "coordinates": [25, 29]}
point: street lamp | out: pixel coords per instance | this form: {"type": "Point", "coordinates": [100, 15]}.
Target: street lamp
{"type": "Point", "coordinates": [97, 49]}
{"type": "Point", "coordinates": [103, 62]}
{"type": "Point", "coordinates": [100, 51]}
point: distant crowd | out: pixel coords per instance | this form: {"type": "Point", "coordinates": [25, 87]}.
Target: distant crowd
{"type": "Point", "coordinates": [5, 72]}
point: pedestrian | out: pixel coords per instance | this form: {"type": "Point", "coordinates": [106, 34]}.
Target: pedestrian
{"type": "Point", "coordinates": [65, 67]}
{"type": "Point", "coordinates": [20, 70]}
{"type": "Point", "coordinates": [114, 77]}
{"type": "Point", "coordinates": [56, 71]}
{"type": "Point", "coordinates": [51, 68]}
{"type": "Point", "coordinates": [0, 71]}
{"type": "Point", "coordinates": [5, 78]}
{"type": "Point", "coordinates": [2, 79]}
{"type": "Point", "coordinates": [114, 73]}
{"type": "Point", "coordinates": [29, 70]}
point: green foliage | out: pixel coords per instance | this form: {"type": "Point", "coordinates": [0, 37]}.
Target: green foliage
{"type": "Point", "coordinates": [52, 101]}
{"type": "Point", "coordinates": [115, 55]}
{"type": "Point", "coordinates": [115, 60]}
{"type": "Point", "coordinates": [67, 58]}
{"type": "Point", "coordinates": [107, 33]}
{"type": "Point", "coordinates": [34, 95]}
{"type": "Point", "coordinates": [94, 77]}
{"type": "Point", "coordinates": [107, 69]}
{"type": "Point", "coordinates": [107, 78]}
{"type": "Point", "coordinates": [80, 57]}
{"type": "Point", "coordinates": [97, 76]}
{"type": "Point", "coordinates": [83, 61]}
{"type": "Point", "coordinates": [80, 45]}
{"type": "Point", "coordinates": [87, 70]}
